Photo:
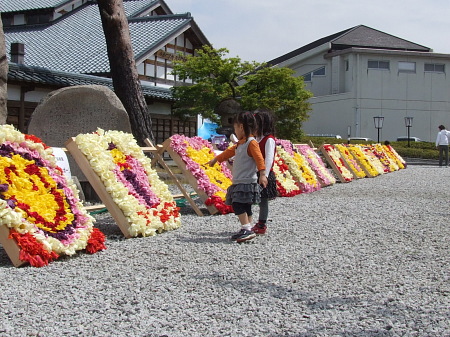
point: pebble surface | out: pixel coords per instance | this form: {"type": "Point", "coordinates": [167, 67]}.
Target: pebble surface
{"type": "Point", "coordinates": [366, 258]}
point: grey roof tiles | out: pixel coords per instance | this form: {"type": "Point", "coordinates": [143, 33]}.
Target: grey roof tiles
{"type": "Point", "coordinates": [77, 43]}
{"type": "Point", "coordinates": [36, 75]}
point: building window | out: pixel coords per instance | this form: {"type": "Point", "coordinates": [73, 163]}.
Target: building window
{"type": "Point", "coordinates": [307, 77]}
{"type": "Point", "coordinates": [435, 68]}
{"type": "Point", "coordinates": [378, 65]}
{"type": "Point", "coordinates": [347, 66]}
{"type": "Point", "coordinates": [318, 72]}
{"type": "Point", "coordinates": [406, 67]}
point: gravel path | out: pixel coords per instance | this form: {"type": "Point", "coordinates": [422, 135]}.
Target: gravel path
{"type": "Point", "coordinates": [366, 258]}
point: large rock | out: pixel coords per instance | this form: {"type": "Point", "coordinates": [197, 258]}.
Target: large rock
{"type": "Point", "coordinates": [3, 77]}
{"type": "Point", "coordinates": [67, 112]}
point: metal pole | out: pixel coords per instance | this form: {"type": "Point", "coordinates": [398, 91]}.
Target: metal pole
{"type": "Point", "coordinates": [378, 135]}
{"type": "Point", "coordinates": [409, 145]}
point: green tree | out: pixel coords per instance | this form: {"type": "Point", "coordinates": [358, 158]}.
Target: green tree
{"type": "Point", "coordinates": [216, 78]}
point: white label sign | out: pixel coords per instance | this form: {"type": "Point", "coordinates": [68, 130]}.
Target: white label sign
{"type": "Point", "coordinates": [62, 161]}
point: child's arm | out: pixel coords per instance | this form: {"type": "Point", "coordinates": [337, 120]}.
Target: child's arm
{"type": "Point", "coordinates": [255, 153]}
{"type": "Point", "coordinates": [270, 154]}
{"type": "Point", "coordinates": [227, 154]}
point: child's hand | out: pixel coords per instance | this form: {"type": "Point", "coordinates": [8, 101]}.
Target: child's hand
{"type": "Point", "coordinates": [212, 162]}
{"type": "Point", "coordinates": [263, 180]}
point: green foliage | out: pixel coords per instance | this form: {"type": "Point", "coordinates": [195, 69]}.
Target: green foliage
{"type": "Point", "coordinates": [278, 90]}
{"type": "Point", "coordinates": [215, 78]}
{"type": "Point", "coordinates": [424, 150]}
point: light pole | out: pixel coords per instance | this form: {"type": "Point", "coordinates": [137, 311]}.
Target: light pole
{"type": "Point", "coordinates": [408, 124]}
{"type": "Point", "coordinates": [378, 121]}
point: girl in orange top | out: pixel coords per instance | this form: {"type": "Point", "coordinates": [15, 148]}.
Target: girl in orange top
{"type": "Point", "coordinates": [248, 160]}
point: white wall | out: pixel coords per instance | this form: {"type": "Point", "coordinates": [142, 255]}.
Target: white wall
{"type": "Point", "coordinates": [351, 95]}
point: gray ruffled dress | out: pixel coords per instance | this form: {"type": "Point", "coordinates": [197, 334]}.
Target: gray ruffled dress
{"type": "Point", "coordinates": [245, 188]}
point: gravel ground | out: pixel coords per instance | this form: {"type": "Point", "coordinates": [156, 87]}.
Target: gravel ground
{"type": "Point", "coordinates": [366, 258]}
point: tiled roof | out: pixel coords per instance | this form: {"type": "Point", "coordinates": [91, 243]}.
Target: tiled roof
{"type": "Point", "coordinates": [366, 37]}
{"type": "Point", "coordinates": [22, 5]}
{"type": "Point", "coordinates": [133, 7]}
{"type": "Point", "coordinates": [77, 44]}
{"type": "Point", "coordinates": [41, 76]}
{"type": "Point", "coordinates": [358, 36]}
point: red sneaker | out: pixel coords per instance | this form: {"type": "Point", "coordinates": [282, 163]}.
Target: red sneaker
{"type": "Point", "coordinates": [259, 229]}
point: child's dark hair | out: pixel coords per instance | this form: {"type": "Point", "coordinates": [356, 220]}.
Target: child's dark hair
{"type": "Point", "coordinates": [265, 122]}
{"type": "Point", "coordinates": [247, 119]}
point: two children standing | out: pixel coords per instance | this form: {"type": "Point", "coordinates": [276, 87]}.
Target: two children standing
{"type": "Point", "coordinates": [253, 179]}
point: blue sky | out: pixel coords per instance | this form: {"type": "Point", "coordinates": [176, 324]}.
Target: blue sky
{"type": "Point", "coordinates": [261, 30]}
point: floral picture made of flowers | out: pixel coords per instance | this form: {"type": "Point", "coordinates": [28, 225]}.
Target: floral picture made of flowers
{"type": "Point", "coordinates": [287, 186]}
{"type": "Point", "coordinates": [389, 164]}
{"type": "Point", "coordinates": [210, 183]}
{"type": "Point", "coordinates": [121, 174]}
{"type": "Point", "coordinates": [298, 166]}
{"type": "Point", "coordinates": [323, 174]}
{"type": "Point", "coordinates": [41, 216]}
{"type": "Point", "coordinates": [364, 161]}
{"type": "Point", "coordinates": [337, 163]}
{"type": "Point", "coordinates": [352, 164]}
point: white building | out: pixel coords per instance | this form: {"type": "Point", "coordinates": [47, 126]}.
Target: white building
{"type": "Point", "coordinates": [361, 73]}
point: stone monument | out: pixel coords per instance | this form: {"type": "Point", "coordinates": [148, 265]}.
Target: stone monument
{"type": "Point", "coordinates": [67, 112]}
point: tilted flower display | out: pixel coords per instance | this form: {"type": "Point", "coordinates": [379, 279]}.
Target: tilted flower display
{"type": "Point", "coordinates": [298, 167]}
{"type": "Point", "coordinates": [374, 160]}
{"type": "Point", "coordinates": [287, 186]}
{"type": "Point", "coordinates": [214, 181]}
{"type": "Point", "coordinates": [336, 157]}
{"type": "Point", "coordinates": [351, 162]}
{"type": "Point", "coordinates": [390, 151]}
{"type": "Point", "coordinates": [38, 204]}
{"type": "Point", "coordinates": [133, 184]}
{"type": "Point", "coordinates": [389, 164]}
{"type": "Point", "coordinates": [317, 164]}
{"type": "Point", "coordinates": [364, 161]}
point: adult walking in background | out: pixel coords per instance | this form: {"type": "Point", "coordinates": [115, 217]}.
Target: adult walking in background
{"type": "Point", "coordinates": [442, 144]}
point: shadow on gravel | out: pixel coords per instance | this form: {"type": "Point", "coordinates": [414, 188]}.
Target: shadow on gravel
{"type": "Point", "coordinates": [207, 237]}
{"type": "Point", "coordinates": [5, 262]}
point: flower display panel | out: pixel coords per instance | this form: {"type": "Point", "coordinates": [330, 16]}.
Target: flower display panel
{"type": "Point", "coordinates": [134, 186]}
{"type": "Point", "coordinates": [389, 164]}
{"type": "Point", "coordinates": [353, 165]}
{"type": "Point", "coordinates": [337, 162]}
{"type": "Point", "coordinates": [39, 205]}
{"type": "Point", "coordinates": [374, 160]}
{"type": "Point", "coordinates": [287, 186]}
{"type": "Point", "coordinates": [323, 174]}
{"type": "Point", "coordinates": [300, 170]}
{"type": "Point", "coordinates": [390, 151]}
{"type": "Point", "coordinates": [364, 161]}
{"type": "Point", "coordinates": [213, 181]}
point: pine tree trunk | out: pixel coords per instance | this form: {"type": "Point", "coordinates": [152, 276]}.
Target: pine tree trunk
{"type": "Point", "coordinates": [3, 77]}
{"type": "Point", "coordinates": [123, 68]}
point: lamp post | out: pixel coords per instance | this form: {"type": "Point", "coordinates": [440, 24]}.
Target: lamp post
{"type": "Point", "coordinates": [408, 124]}
{"type": "Point", "coordinates": [378, 121]}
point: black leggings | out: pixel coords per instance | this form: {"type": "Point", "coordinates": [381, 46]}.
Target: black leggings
{"type": "Point", "coordinates": [240, 208]}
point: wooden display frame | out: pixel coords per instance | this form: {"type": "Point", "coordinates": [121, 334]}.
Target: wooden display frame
{"type": "Point", "coordinates": [186, 173]}
{"type": "Point", "coordinates": [334, 166]}
{"type": "Point", "coordinates": [158, 152]}
{"type": "Point", "coordinates": [10, 246]}
{"type": "Point", "coordinates": [98, 186]}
